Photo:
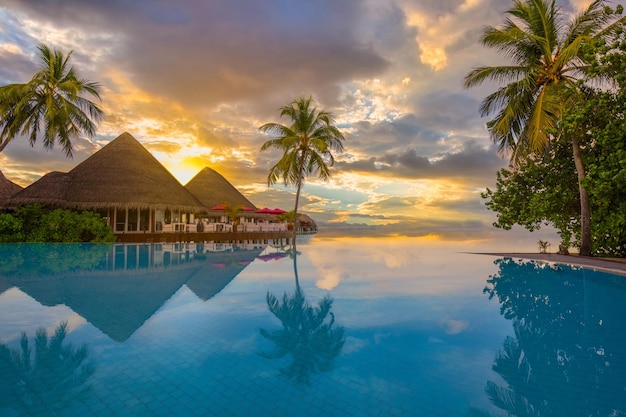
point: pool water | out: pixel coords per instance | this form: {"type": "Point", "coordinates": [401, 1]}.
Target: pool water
{"type": "Point", "coordinates": [351, 328]}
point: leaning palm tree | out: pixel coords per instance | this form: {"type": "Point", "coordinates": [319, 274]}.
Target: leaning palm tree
{"type": "Point", "coordinates": [307, 333]}
{"type": "Point", "coordinates": [53, 103]}
{"type": "Point", "coordinates": [307, 145]}
{"type": "Point", "coordinates": [548, 64]}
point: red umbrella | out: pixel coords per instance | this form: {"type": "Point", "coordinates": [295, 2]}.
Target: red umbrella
{"type": "Point", "coordinates": [266, 210]}
{"type": "Point", "coordinates": [271, 256]}
{"type": "Point", "coordinates": [222, 207]}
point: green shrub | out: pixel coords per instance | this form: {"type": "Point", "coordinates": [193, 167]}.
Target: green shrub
{"type": "Point", "coordinates": [66, 226]}
{"type": "Point", "coordinates": [10, 229]}
{"type": "Point", "coordinates": [34, 223]}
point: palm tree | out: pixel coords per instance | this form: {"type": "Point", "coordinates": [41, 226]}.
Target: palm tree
{"type": "Point", "coordinates": [55, 375]}
{"type": "Point", "coordinates": [307, 145]}
{"type": "Point", "coordinates": [307, 332]}
{"type": "Point", "coordinates": [52, 101]}
{"type": "Point", "coordinates": [233, 212]}
{"type": "Point", "coordinates": [547, 65]}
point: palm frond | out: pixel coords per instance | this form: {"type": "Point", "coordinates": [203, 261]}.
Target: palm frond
{"type": "Point", "coordinates": [54, 98]}
{"type": "Point", "coordinates": [307, 143]}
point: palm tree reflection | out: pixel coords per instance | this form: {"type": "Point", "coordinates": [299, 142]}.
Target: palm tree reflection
{"type": "Point", "coordinates": [566, 356]}
{"type": "Point", "coordinates": [49, 381]}
{"type": "Point", "coordinates": [307, 334]}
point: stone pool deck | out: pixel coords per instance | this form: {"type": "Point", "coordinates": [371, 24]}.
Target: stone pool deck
{"type": "Point", "coordinates": [615, 266]}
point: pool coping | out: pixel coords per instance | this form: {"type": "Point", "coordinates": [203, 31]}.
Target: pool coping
{"type": "Point", "coordinates": [614, 266]}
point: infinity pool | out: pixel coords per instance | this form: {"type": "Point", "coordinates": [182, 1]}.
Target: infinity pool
{"type": "Point", "coordinates": [351, 328]}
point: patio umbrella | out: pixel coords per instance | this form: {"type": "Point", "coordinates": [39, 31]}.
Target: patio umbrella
{"type": "Point", "coordinates": [272, 256]}
{"type": "Point", "coordinates": [222, 207]}
{"type": "Point", "coordinates": [266, 210]}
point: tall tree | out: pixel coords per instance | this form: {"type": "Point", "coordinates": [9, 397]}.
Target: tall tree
{"type": "Point", "coordinates": [548, 63]}
{"type": "Point", "coordinates": [306, 335]}
{"type": "Point", "coordinates": [54, 102]}
{"type": "Point", "coordinates": [307, 144]}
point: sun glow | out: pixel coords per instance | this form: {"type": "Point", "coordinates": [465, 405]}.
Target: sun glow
{"type": "Point", "coordinates": [184, 171]}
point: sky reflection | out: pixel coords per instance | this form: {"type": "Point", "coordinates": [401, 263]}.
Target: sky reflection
{"type": "Point", "coordinates": [418, 333]}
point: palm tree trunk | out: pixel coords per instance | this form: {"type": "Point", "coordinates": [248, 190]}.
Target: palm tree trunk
{"type": "Point", "coordinates": [585, 211]}
{"type": "Point", "coordinates": [295, 266]}
{"type": "Point", "coordinates": [295, 210]}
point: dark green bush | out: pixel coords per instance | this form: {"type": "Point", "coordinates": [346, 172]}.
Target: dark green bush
{"type": "Point", "coordinates": [34, 223]}
{"type": "Point", "coordinates": [10, 229]}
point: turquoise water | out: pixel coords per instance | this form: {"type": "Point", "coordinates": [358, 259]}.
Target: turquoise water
{"type": "Point", "coordinates": [359, 328]}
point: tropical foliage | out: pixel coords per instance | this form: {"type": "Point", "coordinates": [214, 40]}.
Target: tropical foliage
{"type": "Point", "coordinates": [307, 335]}
{"type": "Point", "coordinates": [548, 60]}
{"type": "Point", "coordinates": [543, 190]}
{"type": "Point", "coordinates": [563, 342]}
{"type": "Point", "coordinates": [34, 223]}
{"type": "Point", "coordinates": [53, 377]}
{"type": "Point", "coordinates": [53, 103]}
{"type": "Point", "coordinates": [307, 144]}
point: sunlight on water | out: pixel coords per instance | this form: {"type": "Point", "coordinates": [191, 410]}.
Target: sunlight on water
{"type": "Point", "coordinates": [340, 327]}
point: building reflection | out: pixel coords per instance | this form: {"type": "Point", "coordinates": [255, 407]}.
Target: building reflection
{"type": "Point", "coordinates": [117, 288]}
{"type": "Point", "coordinates": [568, 344]}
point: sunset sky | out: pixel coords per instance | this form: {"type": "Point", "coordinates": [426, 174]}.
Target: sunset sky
{"type": "Point", "coordinates": [192, 80]}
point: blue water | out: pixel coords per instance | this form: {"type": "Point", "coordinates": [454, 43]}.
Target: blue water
{"type": "Point", "coordinates": [357, 328]}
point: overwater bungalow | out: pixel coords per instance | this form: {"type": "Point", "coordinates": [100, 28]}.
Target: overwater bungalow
{"type": "Point", "coordinates": [137, 194]}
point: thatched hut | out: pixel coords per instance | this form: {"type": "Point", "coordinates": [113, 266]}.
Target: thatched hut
{"type": "Point", "coordinates": [47, 190]}
{"type": "Point", "coordinates": [212, 189]}
{"type": "Point", "coordinates": [306, 224]}
{"type": "Point", "coordinates": [125, 183]}
{"type": "Point", "coordinates": [7, 187]}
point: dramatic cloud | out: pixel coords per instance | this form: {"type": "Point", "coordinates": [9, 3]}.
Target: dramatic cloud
{"type": "Point", "coordinates": [193, 80]}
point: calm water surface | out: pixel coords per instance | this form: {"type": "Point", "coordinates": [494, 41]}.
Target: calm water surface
{"type": "Point", "coordinates": [352, 328]}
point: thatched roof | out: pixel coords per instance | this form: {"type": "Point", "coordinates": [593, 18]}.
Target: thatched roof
{"type": "Point", "coordinates": [7, 187]}
{"type": "Point", "coordinates": [121, 174]}
{"type": "Point", "coordinates": [212, 189]}
{"type": "Point", "coordinates": [222, 268]}
{"type": "Point", "coordinates": [49, 189]}
{"type": "Point", "coordinates": [306, 219]}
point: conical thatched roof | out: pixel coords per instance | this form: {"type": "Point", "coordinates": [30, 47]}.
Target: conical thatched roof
{"type": "Point", "coordinates": [7, 187]}
{"type": "Point", "coordinates": [121, 174]}
{"type": "Point", "coordinates": [49, 189]}
{"type": "Point", "coordinates": [212, 189]}
{"type": "Point", "coordinates": [219, 271]}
